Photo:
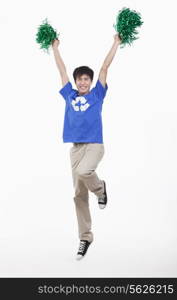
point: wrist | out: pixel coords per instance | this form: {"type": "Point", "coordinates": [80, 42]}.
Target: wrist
{"type": "Point", "coordinates": [117, 43]}
{"type": "Point", "coordinates": [54, 48]}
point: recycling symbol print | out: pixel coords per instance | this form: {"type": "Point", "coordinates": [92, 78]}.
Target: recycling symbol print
{"type": "Point", "coordinates": [82, 101]}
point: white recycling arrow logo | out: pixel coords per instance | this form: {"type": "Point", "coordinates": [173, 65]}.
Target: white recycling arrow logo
{"type": "Point", "coordinates": [83, 105]}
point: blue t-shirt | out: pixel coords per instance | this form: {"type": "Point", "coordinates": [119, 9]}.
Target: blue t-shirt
{"type": "Point", "coordinates": [83, 120]}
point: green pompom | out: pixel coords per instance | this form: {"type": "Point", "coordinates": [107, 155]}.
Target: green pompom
{"type": "Point", "coordinates": [126, 23]}
{"type": "Point", "coordinates": [45, 35]}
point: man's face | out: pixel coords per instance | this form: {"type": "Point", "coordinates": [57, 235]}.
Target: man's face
{"type": "Point", "coordinates": [83, 84]}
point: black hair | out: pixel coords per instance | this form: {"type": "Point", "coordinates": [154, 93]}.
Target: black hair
{"type": "Point", "coordinates": [83, 70]}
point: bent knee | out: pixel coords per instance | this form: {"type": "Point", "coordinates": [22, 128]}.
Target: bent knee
{"type": "Point", "coordinates": [84, 173]}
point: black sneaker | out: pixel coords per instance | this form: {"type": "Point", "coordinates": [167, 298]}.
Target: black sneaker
{"type": "Point", "coordinates": [82, 249]}
{"type": "Point", "coordinates": [102, 200]}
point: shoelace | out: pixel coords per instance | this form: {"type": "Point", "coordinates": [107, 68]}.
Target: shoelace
{"type": "Point", "coordinates": [82, 246]}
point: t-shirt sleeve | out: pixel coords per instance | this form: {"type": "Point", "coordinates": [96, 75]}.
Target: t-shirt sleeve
{"type": "Point", "coordinates": [100, 90]}
{"type": "Point", "coordinates": [66, 90]}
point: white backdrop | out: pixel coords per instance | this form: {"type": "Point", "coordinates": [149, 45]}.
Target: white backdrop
{"type": "Point", "coordinates": [135, 236]}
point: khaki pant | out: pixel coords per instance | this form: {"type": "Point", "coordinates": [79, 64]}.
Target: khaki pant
{"type": "Point", "coordinates": [85, 158]}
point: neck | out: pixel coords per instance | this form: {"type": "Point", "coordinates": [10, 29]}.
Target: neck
{"type": "Point", "coordinates": [82, 94]}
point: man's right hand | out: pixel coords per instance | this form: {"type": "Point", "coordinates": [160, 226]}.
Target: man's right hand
{"type": "Point", "coordinates": [55, 43]}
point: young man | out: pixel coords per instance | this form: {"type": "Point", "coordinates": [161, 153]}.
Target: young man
{"type": "Point", "coordinates": [83, 128]}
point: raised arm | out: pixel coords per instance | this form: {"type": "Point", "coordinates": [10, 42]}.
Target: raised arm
{"type": "Point", "coordinates": [103, 71]}
{"type": "Point", "coordinates": [59, 62]}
